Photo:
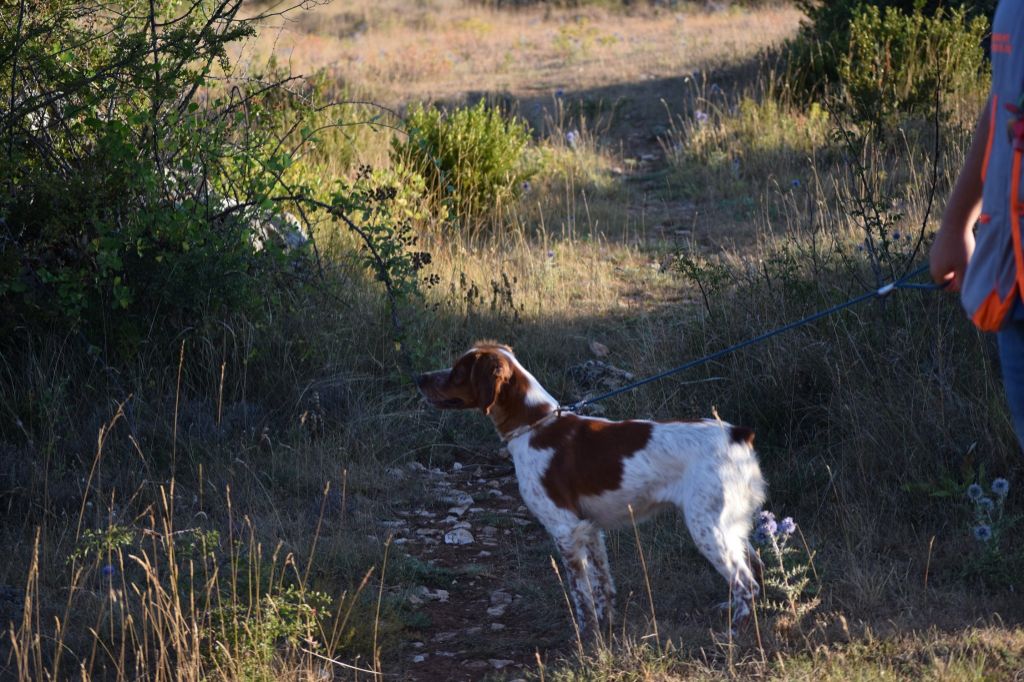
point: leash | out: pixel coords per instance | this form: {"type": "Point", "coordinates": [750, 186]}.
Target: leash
{"type": "Point", "coordinates": [881, 292]}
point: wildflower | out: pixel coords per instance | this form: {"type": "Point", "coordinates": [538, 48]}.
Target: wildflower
{"type": "Point", "coordinates": [559, 93]}
{"type": "Point", "coordinates": [787, 526]}
{"type": "Point", "coordinates": [795, 182]}
{"type": "Point", "coordinates": [766, 522]}
{"type": "Point", "coordinates": [526, 185]}
{"type": "Point", "coordinates": [1000, 487]}
{"type": "Point", "coordinates": [982, 533]}
{"type": "Point", "coordinates": [700, 116]}
{"type": "Point", "coordinates": [571, 137]}
{"type": "Point", "coordinates": [762, 536]}
{"type": "Point", "coordinates": [551, 254]}
{"type": "Point", "coordinates": [896, 235]}
{"type": "Point", "coordinates": [985, 504]}
{"type": "Point", "coordinates": [108, 571]}
{"type": "Point", "coordinates": [975, 492]}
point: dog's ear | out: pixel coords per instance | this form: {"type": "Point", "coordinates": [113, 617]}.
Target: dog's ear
{"type": "Point", "coordinates": [489, 373]}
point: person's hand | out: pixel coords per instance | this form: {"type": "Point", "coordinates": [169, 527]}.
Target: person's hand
{"type": "Point", "coordinates": [950, 254]}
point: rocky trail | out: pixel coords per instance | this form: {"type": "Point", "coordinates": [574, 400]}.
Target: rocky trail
{"type": "Point", "coordinates": [470, 548]}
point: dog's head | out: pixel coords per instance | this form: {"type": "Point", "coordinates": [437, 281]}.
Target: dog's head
{"type": "Point", "coordinates": [475, 380]}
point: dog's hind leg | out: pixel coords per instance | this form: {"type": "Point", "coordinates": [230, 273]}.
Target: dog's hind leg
{"type": "Point", "coordinates": [720, 531]}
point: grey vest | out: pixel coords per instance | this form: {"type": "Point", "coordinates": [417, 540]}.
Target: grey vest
{"type": "Point", "coordinates": [995, 275]}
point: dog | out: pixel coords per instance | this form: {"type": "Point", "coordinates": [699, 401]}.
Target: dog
{"type": "Point", "coordinates": [583, 475]}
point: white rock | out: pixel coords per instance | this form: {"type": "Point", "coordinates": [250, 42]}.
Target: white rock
{"type": "Point", "coordinates": [496, 611]}
{"type": "Point", "coordinates": [501, 597]}
{"type": "Point", "coordinates": [499, 663]}
{"type": "Point", "coordinates": [419, 658]}
{"type": "Point", "coordinates": [497, 626]}
{"type": "Point", "coordinates": [459, 536]}
{"type": "Point", "coordinates": [463, 524]}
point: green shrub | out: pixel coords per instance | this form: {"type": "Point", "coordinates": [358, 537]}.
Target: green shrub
{"type": "Point", "coordinates": [896, 62]}
{"type": "Point", "coordinates": [472, 158]}
{"type": "Point", "coordinates": [137, 186]}
{"type": "Point", "coordinates": [816, 54]}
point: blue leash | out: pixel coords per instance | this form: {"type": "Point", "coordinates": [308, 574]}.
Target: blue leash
{"type": "Point", "coordinates": [881, 292]}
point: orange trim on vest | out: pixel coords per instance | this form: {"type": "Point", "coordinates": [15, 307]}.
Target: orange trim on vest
{"type": "Point", "coordinates": [1018, 250]}
{"type": "Point", "coordinates": [990, 314]}
{"type": "Point", "coordinates": [991, 136]}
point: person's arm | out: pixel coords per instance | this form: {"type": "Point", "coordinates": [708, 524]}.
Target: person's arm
{"type": "Point", "coordinates": [954, 242]}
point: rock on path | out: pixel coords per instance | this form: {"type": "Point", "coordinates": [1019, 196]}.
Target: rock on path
{"type": "Point", "coordinates": [477, 621]}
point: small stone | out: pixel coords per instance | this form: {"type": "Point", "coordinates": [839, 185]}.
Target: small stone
{"type": "Point", "coordinates": [500, 597]}
{"type": "Point", "coordinates": [497, 627]}
{"type": "Point", "coordinates": [419, 658]}
{"type": "Point", "coordinates": [445, 636]}
{"type": "Point", "coordinates": [493, 484]}
{"type": "Point", "coordinates": [458, 498]}
{"type": "Point", "coordinates": [456, 466]}
{"type": "Point", "coordinates": [499, 663]}
{"type": "Point", "coordinates": [496, 611]}
{"type": "Point", "coordinates": [457, 511]}
{"type": "Point", "coordinates": [415, 466]}
{"type": "Point", "coordinates": [474, 630]}
{"type": "Point", "coordinates": [459, 536]}
{"type": "Point", "coordinates": [417, 645]}
{"type": "Point", "coordinates": [463, 524]}
{"type": "Point", "coordinates": [484, 553]}
{"type": "Point", "coordinates": [489, 530]}
{"type": "Point", "coordinates": [475, 665]}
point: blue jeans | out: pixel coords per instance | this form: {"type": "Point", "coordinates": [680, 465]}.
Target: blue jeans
{"type": "Point", "coordinates": [1011, 357]}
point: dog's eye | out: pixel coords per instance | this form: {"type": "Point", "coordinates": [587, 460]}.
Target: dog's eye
{"type": "Point", "coordinates": [458, 374]}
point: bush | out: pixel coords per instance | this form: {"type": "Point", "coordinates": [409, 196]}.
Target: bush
{"type": "Point", "coordinates": [472, 158]}
{"type": "Point", "coordinates": [140, 192]}
{"type": "Point", "coordinates": [816, 54]}
{"type": "Point", "coordinates": [896, 62]}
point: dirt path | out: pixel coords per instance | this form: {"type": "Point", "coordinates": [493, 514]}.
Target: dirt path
{"type": "Point", "coordinates": [471, 547]}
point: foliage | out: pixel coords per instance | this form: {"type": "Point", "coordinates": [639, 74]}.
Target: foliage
{"type": "Point", "coordinates": [897, 62]}
{"type": "Point", "coordinates": [472, 158]}
{"type": "Point", "coordinates": [824, 41]}
{"type": "Point", "coordinates": [137, 187]}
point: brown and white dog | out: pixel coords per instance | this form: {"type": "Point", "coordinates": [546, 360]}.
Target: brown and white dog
{"type": "Point", "coordinates": [581, 475]}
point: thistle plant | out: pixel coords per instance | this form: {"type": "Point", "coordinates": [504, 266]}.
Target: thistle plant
{"type": "Point", "coordinates": [988, 526]}
{"type": "Point", "coordinates": [788, 575]}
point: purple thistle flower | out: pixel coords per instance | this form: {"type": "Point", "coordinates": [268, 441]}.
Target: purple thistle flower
{"type": "Point", "coordinates": [982, 533]}
{"type": "Point", "coordinates": [761, 536]}
{"type": "Point", "coordinates": [766, 523]}
{"type": "Point", "coordinates": [787, 526]}
{"type": "Point", "coordinates": [108, 571]}
{"type": "Point", "coordinates": [571, 138]}
{"type": "Point", "coordinates": [795, 182]}
{"type": "Point", "coordinates": [896, 235]}
{"type": "Point", "coordinates": [975, 492]}
{"type": "Point", "coordinates": [559, 93]}
{"type": "Point", "coordinates": [986, 504]}
{"type": "Point", "coordinates": [526, 185]}
{"type": "Point", "coordinates": [700, 116]}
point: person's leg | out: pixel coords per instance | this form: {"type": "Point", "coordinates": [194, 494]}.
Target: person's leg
{"type": "Point", "coordinates": [1011, 356]}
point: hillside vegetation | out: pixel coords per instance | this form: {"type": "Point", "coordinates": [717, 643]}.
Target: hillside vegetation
{"type": "Point", "coordinates": [230, 233]}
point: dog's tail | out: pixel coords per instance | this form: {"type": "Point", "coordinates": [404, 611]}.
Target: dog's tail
{"type": "Point", "coordinates": [741, 449]}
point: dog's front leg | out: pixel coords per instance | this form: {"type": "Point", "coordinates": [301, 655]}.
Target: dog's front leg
{"type": "Point", "coordinates": [601, 579]}
{"type": "Point", "coordinates": [579, 571]}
